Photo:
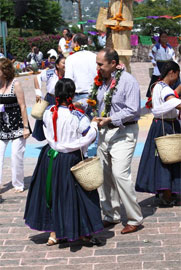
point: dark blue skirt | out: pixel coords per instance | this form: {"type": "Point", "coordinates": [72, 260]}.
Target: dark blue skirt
{"type": "Point", "coordinates": [74, 213]}
{"type": "Point", "coordinates": [153, 175]}
{"type": "Point", "coordinates": [38, 133]}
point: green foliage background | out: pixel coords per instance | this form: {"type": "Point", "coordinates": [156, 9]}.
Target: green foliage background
{"type": "Point", "coordinates": [157, 8]}
{"type": "Point", "coordinates": [44, 15]}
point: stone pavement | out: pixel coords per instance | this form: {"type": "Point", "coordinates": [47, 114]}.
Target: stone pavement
{"type": "Point", "coordinates": [156, 246]}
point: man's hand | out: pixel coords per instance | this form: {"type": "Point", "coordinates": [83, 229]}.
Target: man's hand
{"type": "Point", "coordinates": [78, 105]}
{"type": "Point", "coordinates": [103, 121]}
{"type": "Point", "coordinates": [95, 119]}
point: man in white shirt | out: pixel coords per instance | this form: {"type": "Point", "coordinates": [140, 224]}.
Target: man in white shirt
{"type": "Point", "coordinates": [62, 41]}
{"type": "Point", "coordinates": [81, 66]}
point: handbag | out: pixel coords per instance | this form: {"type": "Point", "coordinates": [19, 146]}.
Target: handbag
{"type": "Point", "coordinates": [38, 109]}
{"type": "Point", "coordinates": [169, 147]}
{"type": "Point", "coordinates": [88, 173]}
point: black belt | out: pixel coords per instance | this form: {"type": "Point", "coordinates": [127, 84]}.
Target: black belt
{"type": "Point", "coordinates": [166, 119]}
{"type": "Point", "coordinates": [81, 93]}
{"type": "Point", "coordinates": [111, 126]}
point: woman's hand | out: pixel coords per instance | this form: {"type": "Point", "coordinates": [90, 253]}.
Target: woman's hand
{"type": "Point", "coordinates": [26, 133]}
{"type": "Point", "coordinates": [95, 119]}
{"type": "Point", "coordinates": [38, 99]}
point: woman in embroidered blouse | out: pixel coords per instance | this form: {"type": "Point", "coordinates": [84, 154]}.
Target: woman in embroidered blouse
{"type": "Point", "coordinates": [154, 176]}
{"type": "Point", "coordinates": [68, 212]}
{"type": "Point", "coordinates": [13, 122]}
{"type": "Point", "coordinates": [50, 76]}
{"type": "Point", "coordinates": [160, 53]}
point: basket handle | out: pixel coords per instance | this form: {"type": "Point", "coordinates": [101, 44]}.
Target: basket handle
{"type": "Point", "coordinates": [81, 153]}
{"type": "Point", "coordinates": [163, 126]}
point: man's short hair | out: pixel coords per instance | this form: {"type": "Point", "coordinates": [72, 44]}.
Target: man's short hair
{"type": "Point", "coordinates": [110, 54]}
{"type": "Point", "coordinates": [81, 39]}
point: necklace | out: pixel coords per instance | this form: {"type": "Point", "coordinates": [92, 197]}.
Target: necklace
{"type": "Point", "coordinates": [98, 81]}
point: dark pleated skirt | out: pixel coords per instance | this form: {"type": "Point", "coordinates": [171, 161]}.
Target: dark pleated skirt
{"type": "Point", "coordinates": [38, 133]}
{"type": "Point", "coordinates": [74, 213]}
{"type": "Point", "coordinates": [154, 176]}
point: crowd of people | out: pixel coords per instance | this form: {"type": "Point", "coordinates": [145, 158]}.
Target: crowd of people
{"type": "Point", "coordinates": [90, 96]}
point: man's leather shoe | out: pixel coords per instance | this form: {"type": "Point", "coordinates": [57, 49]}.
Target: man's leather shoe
{"type": "Point", "coordinates": [129, 229]}
{"type": "Point", "coordinates": [107, 224]}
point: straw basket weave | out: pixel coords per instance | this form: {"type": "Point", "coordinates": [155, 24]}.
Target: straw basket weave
{"type": "Point", "coordinates": [169, 148]}
{"type": "Point", "coordinates": [89, 173]}
{"type": "Point", "coordinates": [38, 109]}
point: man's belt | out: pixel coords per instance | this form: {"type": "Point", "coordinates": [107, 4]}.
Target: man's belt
{"type": "Point", "coordinates": [111, 126]}
{"type": "Point", "coordinates": [166, 119]}
{"type": "Point", "coordinates": [81, 93]}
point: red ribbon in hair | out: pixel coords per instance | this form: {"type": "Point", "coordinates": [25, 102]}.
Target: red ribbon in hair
{"type": "Point", "coordinates": [72, 107]}
{"type": "Point", "coordinates": [54, 109]}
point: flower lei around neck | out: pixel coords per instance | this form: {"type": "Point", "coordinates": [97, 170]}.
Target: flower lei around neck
{"type": "Point", "coordinates": [98, 81]}
{"type": "Point", "coordinates": [80, 48]}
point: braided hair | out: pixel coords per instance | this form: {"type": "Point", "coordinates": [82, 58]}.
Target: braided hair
{"type": "Point", "coordinates": [64, 93]}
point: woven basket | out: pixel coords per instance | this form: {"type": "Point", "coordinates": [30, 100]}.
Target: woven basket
{"type": "Point", "coordinates": [169, 148]}
{"type": "Point", "coordinates": [38, 109]}
{"type": "Point", "coordinates": [89, 173]}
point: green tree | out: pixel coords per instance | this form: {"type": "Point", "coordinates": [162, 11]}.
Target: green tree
{"type": "Point", "coordinates": [42, 15]}
{"type": "Point", "coordinates": [157, 8]}
{"type": "Point", "coordinates": [7, 12]}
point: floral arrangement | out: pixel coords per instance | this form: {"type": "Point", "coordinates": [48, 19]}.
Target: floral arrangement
{"type": "Point", "coordinates": [98, 81]}
{"type": "Point", "coordinates": [68, 44]}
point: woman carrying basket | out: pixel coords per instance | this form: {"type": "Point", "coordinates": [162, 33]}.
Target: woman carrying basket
{"type": "Point", "coordinates": [153, 175]}
{"type": "Point", "coordinates": [56, 202]}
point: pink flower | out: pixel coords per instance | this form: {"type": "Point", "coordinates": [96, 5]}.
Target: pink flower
{"type": "Point", "coordinates": [120, 66]}
{"type": "Point", "coordinates": [113, 83]}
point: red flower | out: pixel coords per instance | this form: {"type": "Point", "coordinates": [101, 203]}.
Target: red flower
{"type": "Point", "coordinates": [98, 79]}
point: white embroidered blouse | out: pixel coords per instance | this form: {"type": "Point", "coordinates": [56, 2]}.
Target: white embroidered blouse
{"type": "Point", "coordinates": [71, 130]}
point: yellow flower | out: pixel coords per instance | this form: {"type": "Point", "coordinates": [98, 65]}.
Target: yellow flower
{"type": "Point", "coordinates": [103, 114]}
{"type": "Point", "coordinates": [77, 48]}
{"type": "Point", "coordinates": [91, 102]}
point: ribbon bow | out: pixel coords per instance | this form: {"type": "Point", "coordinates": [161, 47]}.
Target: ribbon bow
{"type": "Point", "coordinates": [54, 109]}
{"type": "Point", "coordinates": [52, 154]}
